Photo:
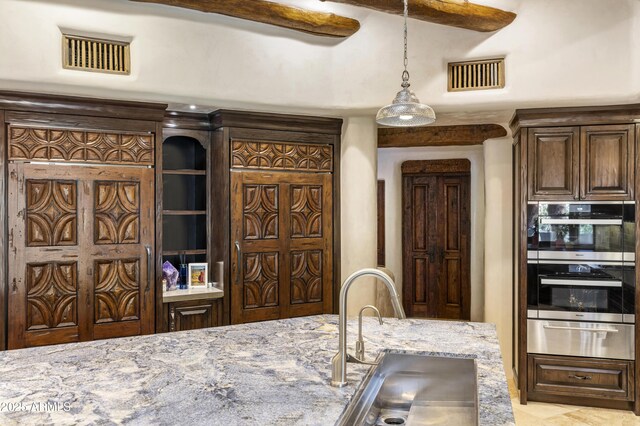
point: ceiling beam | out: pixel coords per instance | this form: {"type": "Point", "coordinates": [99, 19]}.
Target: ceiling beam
{"type": "Point", "coordinates": [266, 12]}
{"type": "Point", "coordinates": [455, 14]}
{"type": "Point", "coordinates": [473, 134]}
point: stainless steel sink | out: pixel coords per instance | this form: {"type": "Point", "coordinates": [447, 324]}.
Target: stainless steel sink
{"type": "Point", "coordinates": [407, 389]}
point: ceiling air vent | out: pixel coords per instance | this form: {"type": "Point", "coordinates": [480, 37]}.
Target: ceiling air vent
{"type": "Point", "coordinates": [92, 54]}
{"type": "Point", "coordinates": [476, 75]}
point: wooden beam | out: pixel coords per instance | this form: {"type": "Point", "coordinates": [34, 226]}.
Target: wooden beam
{"type": "Point", "coordinates": [266, 12]}
{"type": "Point", "coordinates": [455, 14]}
{"type": "Point", "coordinates": [474, 134]}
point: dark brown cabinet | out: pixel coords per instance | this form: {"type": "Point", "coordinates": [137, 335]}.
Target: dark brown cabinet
{"type": "Point", "coordinates": [581, 377]}
{"type": "Point", "coordinates": [581, 163]}
{"type": "Point", "coordinates": [567, 155]}
{"type": "Point", "coordinates": [193, 314]}
{"type": "Point", "coordinates": [553, 163]}
{"type": "Point", "coordinates": [607, 158]}
{"type": "Point", "coordinates": [277, 180]}
{"type": "Point", "coordinates": [80, 213]}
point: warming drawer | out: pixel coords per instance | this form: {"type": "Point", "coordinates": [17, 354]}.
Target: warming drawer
{"type": "Point", "coordinates": [586, 339]}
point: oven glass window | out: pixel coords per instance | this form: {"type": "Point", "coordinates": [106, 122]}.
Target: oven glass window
{"type": "Point", "coordinates": [580, 299]}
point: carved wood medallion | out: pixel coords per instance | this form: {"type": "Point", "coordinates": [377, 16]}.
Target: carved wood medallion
{"type": "Point", "coordinates": [306, 211]}
{"type": "Point", "coordinates": [260, 212]}
{"type": "Point", "coordinates": [260, 280]}
{"type": "Point", "coordinates": [51, 213]}
{"type": "Point", "coordinates": [117, 288]}
{"type": "Point", "coordinates": [282, 156]}
{"type": "Point", "coordinates": [26, 143]}
{"type": "Point", "coordinates": [51, 295]}
{"type": "Point", "coordinates": [117, 213]}
{"type": "Point", "coordinates": [306, 276]}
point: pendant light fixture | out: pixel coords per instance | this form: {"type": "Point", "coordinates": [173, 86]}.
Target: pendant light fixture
{"type": "Point", "coordinates": [406, 110]}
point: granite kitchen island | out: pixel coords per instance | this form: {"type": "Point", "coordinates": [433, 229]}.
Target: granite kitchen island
{"type": "Point", "coordinates": [270, 373]}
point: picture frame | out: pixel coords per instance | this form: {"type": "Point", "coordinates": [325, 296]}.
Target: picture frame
{"type": "Point", "coordinates": [198, 275]}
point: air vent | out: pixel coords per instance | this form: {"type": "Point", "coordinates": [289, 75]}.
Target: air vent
{"type": "Point", "coordinates": [91, 54]}
{"type": "Point", "coordinates": [476, 75]}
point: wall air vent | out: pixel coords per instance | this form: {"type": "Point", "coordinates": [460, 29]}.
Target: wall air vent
{"type": "Point", "coordinates": [92, 54]}
{"type": "Point", "coordinates": [476, 75]}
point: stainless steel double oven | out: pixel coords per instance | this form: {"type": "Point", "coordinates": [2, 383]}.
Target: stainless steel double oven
{"type": "Point", "coordinates": [581, 279]}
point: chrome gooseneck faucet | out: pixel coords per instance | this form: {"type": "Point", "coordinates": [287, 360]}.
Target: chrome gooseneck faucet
{"type": "Point", "coordinates": [339, 361]}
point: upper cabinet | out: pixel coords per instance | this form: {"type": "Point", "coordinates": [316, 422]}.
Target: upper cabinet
{"type": "Point", "coordinates": [578, 153]}
{"type": "Point", "coordinates": [606, 162]}
{"type": "Point", "coordinates": [553, 163]}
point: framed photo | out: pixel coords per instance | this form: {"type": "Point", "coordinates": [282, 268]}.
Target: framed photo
{"type": "Point", "coordinates": [198, 275]}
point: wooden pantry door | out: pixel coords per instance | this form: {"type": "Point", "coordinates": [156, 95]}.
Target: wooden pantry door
{"type": "Point", "coordinates": [436, 239]}
{"type": "Point", "coordinates": [80, 253]}
{"type": "Point", "coordinates": [282, 245]}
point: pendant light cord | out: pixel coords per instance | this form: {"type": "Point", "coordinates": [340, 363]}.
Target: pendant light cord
{"type": "Point", "coordinates": [405, 74]}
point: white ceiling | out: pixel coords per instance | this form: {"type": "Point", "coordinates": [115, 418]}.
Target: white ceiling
{"type": "Point", "coordinates": [558, 52]}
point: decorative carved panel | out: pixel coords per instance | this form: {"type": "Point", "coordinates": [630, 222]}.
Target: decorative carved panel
{"type": "Point", "coordinates": [27, 143]}
{"type": "Point", "coordinates": [117, 290]}
{"type": "Point", "coordinates": [51, 295]}
{"type": "Point", "coordinates": [117, 213]}
{"type": "Point", "coordinates": [306, 211]}
{"type": "Point", "coordinates": [282, 156]}
{"type": "Point", "coordinates": [260, 280]}
{"type": "Point", "coordinates": [306, 276]}
{"type": "Point", "coordinates": [51, 213]}
{"type": "Point", "coordinates": [260, 212]}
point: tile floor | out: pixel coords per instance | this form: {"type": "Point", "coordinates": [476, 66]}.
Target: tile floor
{"type": "Point", "coordinates": [541, 414]}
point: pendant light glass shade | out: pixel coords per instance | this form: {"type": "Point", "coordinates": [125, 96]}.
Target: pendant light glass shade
{"type": "Point", "coordinates": [406, 110]}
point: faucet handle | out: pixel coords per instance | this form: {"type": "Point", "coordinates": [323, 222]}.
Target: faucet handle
{"type": "Point", "coordinates": [360, 341]}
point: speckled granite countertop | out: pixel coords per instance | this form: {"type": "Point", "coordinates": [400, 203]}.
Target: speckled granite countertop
{"type": "Point", "coordinates": [270, 373]}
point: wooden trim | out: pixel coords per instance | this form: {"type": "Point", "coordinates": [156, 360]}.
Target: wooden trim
{"type": "Point", "coordinates": [4, 248]}
{"type": "Point", "coordinates": [574, 116]}
{"type": "Point", "coordinates": [161, 325]}
{"type": "Point", "coordinates": [267, 121]}
{"type": "Point", "coordinates": [337, 271]}
{"type": "Point", "coordinates": [381, 224]}
{"type": "Point", "coordinates": [522, 303]}
{"type": "Point", "coordinates": [474, 134]}
{"type": "Point", "coordinates": [636, 405]}
{"type": "Point", "coordinates": [457, 166]}
{"type": "Point", "coordinates": [25, 101]}
{"type": "Point", "coordinates": [186, 120]}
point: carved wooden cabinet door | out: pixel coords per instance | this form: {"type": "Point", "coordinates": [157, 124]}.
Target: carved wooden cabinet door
{"type": "Point", "coordinates": [281, 228]}
{"type": "Point", "coordinates": [79, 240]}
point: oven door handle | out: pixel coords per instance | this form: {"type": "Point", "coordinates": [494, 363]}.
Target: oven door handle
{"type": "Point", "coordinates": [551, 221]}
{"type": "Point", "coordinates": [590, 330]}
{"type": "Point", "coordinates": [581, 283]}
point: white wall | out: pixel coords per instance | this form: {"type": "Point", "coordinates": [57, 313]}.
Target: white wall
{"type": "Point", "coordinates": [498, 242]}
{"type": "Point", "coordinates": [558, 52]}
{"type": "Point", "coordinates": [358, 206]}
{"type": "Point", "coordinates": [389, 163]}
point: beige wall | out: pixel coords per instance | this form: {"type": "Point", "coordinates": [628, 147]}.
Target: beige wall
{"type": "Point", "coordinates": [389, 162]}
{"type": "Point", "coordinates": [358, 206]}
{"type": "Point", "coordinates": [498, 243]}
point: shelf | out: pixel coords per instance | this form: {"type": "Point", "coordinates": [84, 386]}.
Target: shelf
{"type": "Point", "coordinates": [185, 252]}
{"type": "Point", "coordinates": [192, 294]}
{"type": "Point", "coordinates": [192, 172]}
{"type": "Point", "coordinates": [184, 212]}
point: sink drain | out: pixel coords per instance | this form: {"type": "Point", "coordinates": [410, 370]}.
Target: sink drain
{"type": "Point", "coordinates": [394, 421]}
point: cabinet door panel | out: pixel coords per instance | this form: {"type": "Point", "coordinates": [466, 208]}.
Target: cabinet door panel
{"type": "Point", "coordinates": [82, 266]}
{"type": "Point", "coordinates": [281, 225]}
{"type": "Point", "coordinates": [607, 156]}
{"type": "Point", "coordinates": [44, 276]}
{"type": "Point", "coordinates": [192, 315]}
{"type": "Point", "coordinates": [553, 163]}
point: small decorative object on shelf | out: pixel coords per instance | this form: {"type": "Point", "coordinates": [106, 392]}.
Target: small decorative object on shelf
{"type": "Point", "coordinates": [183, 276]}
{"type": "Point", "coordinates": [170, 273]}
{"type": "Point", "coordinates": [164, 285]}
{"type": "Point", "coordinates": [198, 275]}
